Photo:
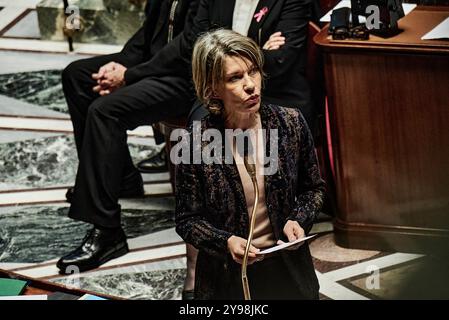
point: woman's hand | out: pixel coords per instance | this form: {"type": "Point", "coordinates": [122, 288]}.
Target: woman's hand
{"type": "Point", "coordinates": [293, 231]}
{"type": "Point", "coordinates": [275, 41]}
{"type": "Point", "coordinates": [236, 247]}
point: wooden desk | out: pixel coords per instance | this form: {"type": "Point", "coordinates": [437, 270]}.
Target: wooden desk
{"type": "Point", "coordinates": [43, 287]}
{"type": "Point", "coordinates": [389, 114]}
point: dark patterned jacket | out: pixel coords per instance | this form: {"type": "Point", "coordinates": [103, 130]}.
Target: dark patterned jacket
{"type": "Point", "coordinates": [211, 206]}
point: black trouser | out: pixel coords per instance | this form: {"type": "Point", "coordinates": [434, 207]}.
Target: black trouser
{"type": "Point", "coordinates": [100, 125]}
{"type": "Point", "coordinates": [268, 280]}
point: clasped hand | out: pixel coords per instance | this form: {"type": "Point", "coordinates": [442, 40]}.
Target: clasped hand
{"type": "Point", "coordinates": [109, 78]}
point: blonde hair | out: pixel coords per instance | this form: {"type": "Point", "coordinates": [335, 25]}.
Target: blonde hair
{"type": "Point", "coordinates": [209, 54]}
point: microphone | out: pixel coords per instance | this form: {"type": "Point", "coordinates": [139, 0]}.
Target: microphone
{"type": "Point", "coordinates": [246, 151]}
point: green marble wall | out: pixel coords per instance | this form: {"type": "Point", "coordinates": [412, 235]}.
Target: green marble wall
{"type": "Point", "coordinates": [103, 21]}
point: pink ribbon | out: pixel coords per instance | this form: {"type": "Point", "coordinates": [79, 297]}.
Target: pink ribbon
{"type": "Point", "coordinates": [260, 14]}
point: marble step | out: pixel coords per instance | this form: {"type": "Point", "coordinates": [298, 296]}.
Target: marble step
{"type": "Point", "coordinates": [169, 251]}
{"type": "Point", "coordinates": [51, 195]}
{"type": "Point", "coordinates": [55, 125]}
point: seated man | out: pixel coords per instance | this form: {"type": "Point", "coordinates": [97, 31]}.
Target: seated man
{"type": "Point", "coordinates": [107, 96]}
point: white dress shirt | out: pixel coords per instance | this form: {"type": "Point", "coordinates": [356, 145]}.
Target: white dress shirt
{"type": "Point", "coordinates": [243, 15]}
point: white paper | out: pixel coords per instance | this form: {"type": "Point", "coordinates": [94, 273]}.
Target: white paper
{"type": "Point", "coordinates": [284, 245]}
{"type": "Point", "coordinates": [408, 7]}
{"type": "Point", "coordinates": [91, 297]}
{"type": "Point", "coordinates": [441, 31]}
{"type": "Point", "coordinates": [25, 297]}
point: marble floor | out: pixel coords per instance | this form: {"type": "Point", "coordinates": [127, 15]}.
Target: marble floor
{"type": "Point", "coordinates": [38, 162]}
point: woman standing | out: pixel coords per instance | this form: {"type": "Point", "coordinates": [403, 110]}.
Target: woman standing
{"type": "Point", "coordinates": [213, 200]}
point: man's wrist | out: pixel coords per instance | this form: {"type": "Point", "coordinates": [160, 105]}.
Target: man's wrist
{"type": "Point", "coordinates": [122, 76]}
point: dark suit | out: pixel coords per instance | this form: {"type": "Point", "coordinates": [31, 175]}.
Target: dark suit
{"type": "Point", "coordinates": [286, 83]}
{"type": "Point", "coordinates": [285, 68]}
{"type": "Point", "coordinates": [211, 207]}
{"type": "Point", "coordinates": [100, 123]}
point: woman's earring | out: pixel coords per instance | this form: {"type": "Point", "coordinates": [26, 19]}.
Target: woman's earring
{"type": "Point", "coordinates": [215, 107]}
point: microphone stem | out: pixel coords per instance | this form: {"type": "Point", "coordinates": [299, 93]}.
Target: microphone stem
{"type": "Point", "coordinates": [245, 283]}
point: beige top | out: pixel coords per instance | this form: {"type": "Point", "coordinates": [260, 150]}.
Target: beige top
{"type": "Point", "coordinates": [263, 234]}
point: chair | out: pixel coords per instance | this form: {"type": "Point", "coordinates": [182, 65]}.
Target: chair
{"type": "Point", "coordinates": [166, 127]}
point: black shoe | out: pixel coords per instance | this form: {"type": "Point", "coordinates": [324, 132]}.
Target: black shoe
{"type": "Point", "coordinates": [188, 295]}
{"type": "Point", "coordinates": [156, 163]}
{"type": "Point", "coordinates": [133, 187]}
{"type": "Point", "coordinates": [98, 247]}
{"type": "Point", "coordinates": [69, 194]}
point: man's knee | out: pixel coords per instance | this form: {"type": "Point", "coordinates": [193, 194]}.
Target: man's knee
{"type": "Point", "coordinates": [97, 108]}
{"type": "Point", "coordinates": [76, 72]}
{"type": "Point", "coordinates": [103, 108]}
{"type": "Point", "coordinates": [70, 72]}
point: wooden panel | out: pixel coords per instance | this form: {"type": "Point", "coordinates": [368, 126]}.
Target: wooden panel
{"type": "Point", "coordinates": [392, 136]}
{"type": "Point", "coordinates": [389, 115]}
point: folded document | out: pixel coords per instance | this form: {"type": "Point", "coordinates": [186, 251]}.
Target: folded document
{"type": "Point", "coordinates": [284, 245]}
